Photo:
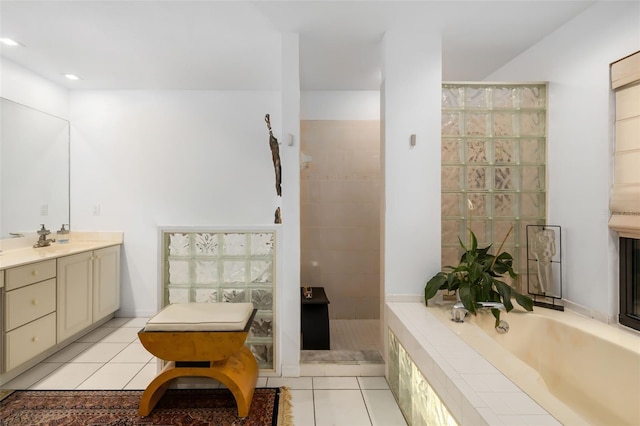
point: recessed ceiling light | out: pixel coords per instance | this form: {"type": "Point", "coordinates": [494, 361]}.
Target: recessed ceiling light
{"type": "Point", "coordinates": [72, 77]}
{"type": "Point", "coordinates": [9, 42]}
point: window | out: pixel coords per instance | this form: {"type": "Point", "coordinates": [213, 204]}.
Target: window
{"type": "Point", "coordinates": [493, 166]}
{"type": "Point", "coordinates": [630, 282]}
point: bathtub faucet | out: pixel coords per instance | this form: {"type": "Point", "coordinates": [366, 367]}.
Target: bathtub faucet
{"type": "Point", "coordinates": [458, 311]}
{"type": "Point", "coordinates": [492, 305]}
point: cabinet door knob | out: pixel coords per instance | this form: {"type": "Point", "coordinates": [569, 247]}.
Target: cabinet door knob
{"type": "Point", "coordinates": [35, 339]}
{"type": "Point", "coordinates": [35, 272]}
{"type": "Point", "coordinates": [35, 301]}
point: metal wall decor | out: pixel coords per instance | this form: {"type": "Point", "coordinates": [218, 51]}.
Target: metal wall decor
{"type": "Point", "coordinates": [277, 166]}
{"type": "Point", "coordinates": [275, 156]}
{"type": "Point", "coordinates": [544, 264]}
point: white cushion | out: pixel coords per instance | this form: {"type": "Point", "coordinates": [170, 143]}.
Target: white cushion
{"type": "Point", "coordinates": [201, 317]}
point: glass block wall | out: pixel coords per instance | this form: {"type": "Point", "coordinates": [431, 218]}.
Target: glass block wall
{"type": "Point", "coordinates": [493, 166]}
{"type": "Point", "coordinates": [207, 267]}
{"type": "Point", "coordinates": [419, 403]}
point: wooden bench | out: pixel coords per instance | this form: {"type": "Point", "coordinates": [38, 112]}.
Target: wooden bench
{"type": "Point", "coordinates": [202, 340]}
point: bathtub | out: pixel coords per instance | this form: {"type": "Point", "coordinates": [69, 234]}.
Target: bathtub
{"type": "Point", "coordinates": [579, 370]}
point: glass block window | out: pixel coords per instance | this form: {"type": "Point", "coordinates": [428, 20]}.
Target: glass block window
{"type": "Point", "coordinates": [228, 267]}
{"type": "Point", "coordinates": [493, 166]}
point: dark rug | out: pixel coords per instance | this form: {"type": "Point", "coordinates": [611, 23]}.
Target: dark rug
{"type": "Point", "coordinates": [120, 408]}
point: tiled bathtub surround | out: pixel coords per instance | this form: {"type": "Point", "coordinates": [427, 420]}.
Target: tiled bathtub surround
{"type": "Point", "coordinates": [417, 400]}
{"type": "Point", "coordinates": [472, 389]}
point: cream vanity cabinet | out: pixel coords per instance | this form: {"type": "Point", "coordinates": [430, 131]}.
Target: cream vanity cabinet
{"type": "Point", "coordinates": [88, 289]}
{"type": "Point", "coordinates": [30, 311]}
{"type": "Point", "coordinates": [51, 296]}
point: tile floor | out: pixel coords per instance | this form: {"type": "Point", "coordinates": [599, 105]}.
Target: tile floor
{"type": "Point", "coordinates": [111, 357]}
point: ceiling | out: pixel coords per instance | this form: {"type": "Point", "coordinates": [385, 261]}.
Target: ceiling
{"type": "Point", "coordinates": [236, 45]}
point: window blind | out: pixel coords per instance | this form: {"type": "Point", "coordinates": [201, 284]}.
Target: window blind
{"type": "Point", "coordinates": [625, 194]}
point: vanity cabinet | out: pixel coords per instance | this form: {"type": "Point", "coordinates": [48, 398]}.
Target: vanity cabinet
{"type": "Point", "coordinates": [50, 296]}
{"type": "Point", "coordinates": [88, 289]}
{"type": "Point", "coordinates": [106, 282]}
{"type": "Point", "coordinates": [29, 311]}
{"type": "Point", "coordinates": [75, 296]}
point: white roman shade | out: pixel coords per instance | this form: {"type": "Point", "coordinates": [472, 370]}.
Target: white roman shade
{"type": "Point", "coordinates": [625, 194]}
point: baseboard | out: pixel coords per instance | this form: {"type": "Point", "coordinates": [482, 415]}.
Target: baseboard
{"type": "Point", "coordinates": [291, 371]}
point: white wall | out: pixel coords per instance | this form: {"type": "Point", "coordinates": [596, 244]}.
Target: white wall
{"type": "Point", "coordinates": [288, 302]}
{"type": "Point", "coordinates": [168, 158]}
{"type": "Point", "coordinates": [575, 61]}
{"type": "Point", "coordinates": [412, 87]}
{"type": "Point", "coordinates": [340, 105]}
{"type": "Point", "coordinates": [27, 88]}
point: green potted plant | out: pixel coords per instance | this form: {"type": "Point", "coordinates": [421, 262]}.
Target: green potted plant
{"type": "Point", "coordinates": [477, 279]}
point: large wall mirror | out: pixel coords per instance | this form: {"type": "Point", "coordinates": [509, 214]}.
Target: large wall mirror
{"type": "Point", "coordinates": [34, 170]}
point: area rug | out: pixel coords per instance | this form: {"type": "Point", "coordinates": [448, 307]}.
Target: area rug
{"type": "Point", "coordinates": [197, 407]}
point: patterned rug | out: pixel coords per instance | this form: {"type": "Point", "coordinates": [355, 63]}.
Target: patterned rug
{"type": "Point", "coordinates": [194, 407]}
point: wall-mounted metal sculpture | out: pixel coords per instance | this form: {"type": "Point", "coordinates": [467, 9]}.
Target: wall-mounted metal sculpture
{"type": "Point", "coordinates": [275, 156]}
{"type": "Point", "coordinates": [544, 264]}
{"type": "Point", "coordinates": [278, 216]}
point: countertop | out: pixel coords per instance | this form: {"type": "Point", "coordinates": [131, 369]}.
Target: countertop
{"type": "Point", "coordinates": [20, 251]}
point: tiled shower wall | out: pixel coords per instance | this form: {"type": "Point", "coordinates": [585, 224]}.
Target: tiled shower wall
{"type": "Point", "coordinates": [340, 214]}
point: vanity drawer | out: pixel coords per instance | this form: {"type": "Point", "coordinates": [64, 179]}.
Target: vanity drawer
{"type": "Point", "coordinates": [25, 342]}
{"type": "Point", "coordinates": [29, 274]}
{"type": "Point", "coordinates": [29, 303]}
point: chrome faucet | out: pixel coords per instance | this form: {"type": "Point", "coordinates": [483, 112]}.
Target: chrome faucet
{"type": "Point", "coordinates": [458, 311]}
{"type": "Point", "coordinates": [492, 305]}
{"type": "Point", "coordinates": [43, 241]}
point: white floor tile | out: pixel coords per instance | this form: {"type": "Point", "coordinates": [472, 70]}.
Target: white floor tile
{"type": "Point", "coordinates": [112, 376]}
{"type": "Point", "coordinates": [116, 322]}
{"type": "Point", "coordinates": [135, 352]}
{"type": "Point", "coordinates": [123, 334]}
{"type": "Point", "coordinates": [302, 407]}
{"type": "Point", "coordinates": [373, 383]}
{"type": "Point", "coordinates": [68, 376]}
{"type": "Point", "coordinates": [382, 407]}
{"type": "Point", "coordinates": [96, 335]}
{"type": "Point", "coordinates": [335, 383]}
{"type": "Point", "coordinates": [100, 352]}
{"type": "Point", "coordinates": [340, 407]}
{"type": "Point", "coordinates": [136, 323]}
{"type": "Point", "coordinates": [111, 357]}
{"type": "Point", "coordinates": [68, 353]}
{"type": "Point", "coordinates": [144, 377]}
{"type": "Point", "coordinates": [31, 376]}
{"type": "Point", "coordinates": [291, 382]}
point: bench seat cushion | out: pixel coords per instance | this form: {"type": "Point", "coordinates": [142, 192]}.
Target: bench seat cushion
{"type": "Point", "coordinates": [201, 317]}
